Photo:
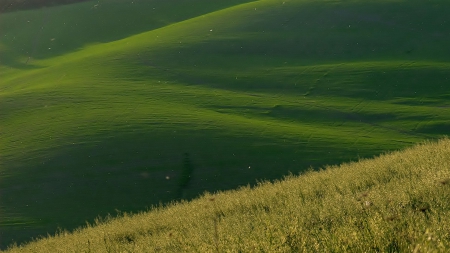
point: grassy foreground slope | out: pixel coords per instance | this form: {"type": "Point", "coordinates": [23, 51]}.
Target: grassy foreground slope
{"type": "Point", "coordinates": [397, 202]}
{"type": "Point", "coordinates": [97, 109]}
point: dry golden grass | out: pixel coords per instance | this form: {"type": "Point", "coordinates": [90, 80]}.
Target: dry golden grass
{"type": "Point", "coordinates": [395, 202]}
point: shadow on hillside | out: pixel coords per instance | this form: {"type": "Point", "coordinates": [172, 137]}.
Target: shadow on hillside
{"type": "Point", "coordinates": [54, 31]}
{"type": "Point", "coordinates": [15, 5]}
{"type": "Point", "coordinates": [131, 172]}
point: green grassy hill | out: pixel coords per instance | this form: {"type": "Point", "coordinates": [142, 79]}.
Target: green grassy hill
{"type": "Point", "coordinates": [397, 202]}
{"type": "Point", "coordinates": [99, 101]}
{"type": "Point", "coordinates": [14, 5]}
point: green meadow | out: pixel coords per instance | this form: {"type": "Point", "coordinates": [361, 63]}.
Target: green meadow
{"type": "Point", "coordinates": [104, 104]}
{"type": "Point", "coordinates": [397, 202]}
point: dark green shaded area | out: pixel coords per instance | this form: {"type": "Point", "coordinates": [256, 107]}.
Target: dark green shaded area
{"type": "Point", "coordinates": [49, 32]}
{"type": "Point", "coordinates": [14, 5]}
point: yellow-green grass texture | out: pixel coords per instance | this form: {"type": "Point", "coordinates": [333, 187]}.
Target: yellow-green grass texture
{"type": "Point", "coordinates": [395, 202]}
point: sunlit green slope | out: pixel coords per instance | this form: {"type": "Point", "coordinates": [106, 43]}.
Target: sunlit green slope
{"type": "Point", "coordinates": [100, 101]}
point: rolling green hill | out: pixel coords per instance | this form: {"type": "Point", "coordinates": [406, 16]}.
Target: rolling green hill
{"type": "Point", "coordinates": [14, 5]}
{"type": "Point", "coordinates": [100, 101]}
{"type": "Point", "coordinates": [397, 202]}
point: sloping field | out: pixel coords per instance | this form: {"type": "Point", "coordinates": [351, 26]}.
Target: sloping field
{"type": "Point", "coordinates": [395, 203]}
{"type": "Point", "coordinates": [101, 102]}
